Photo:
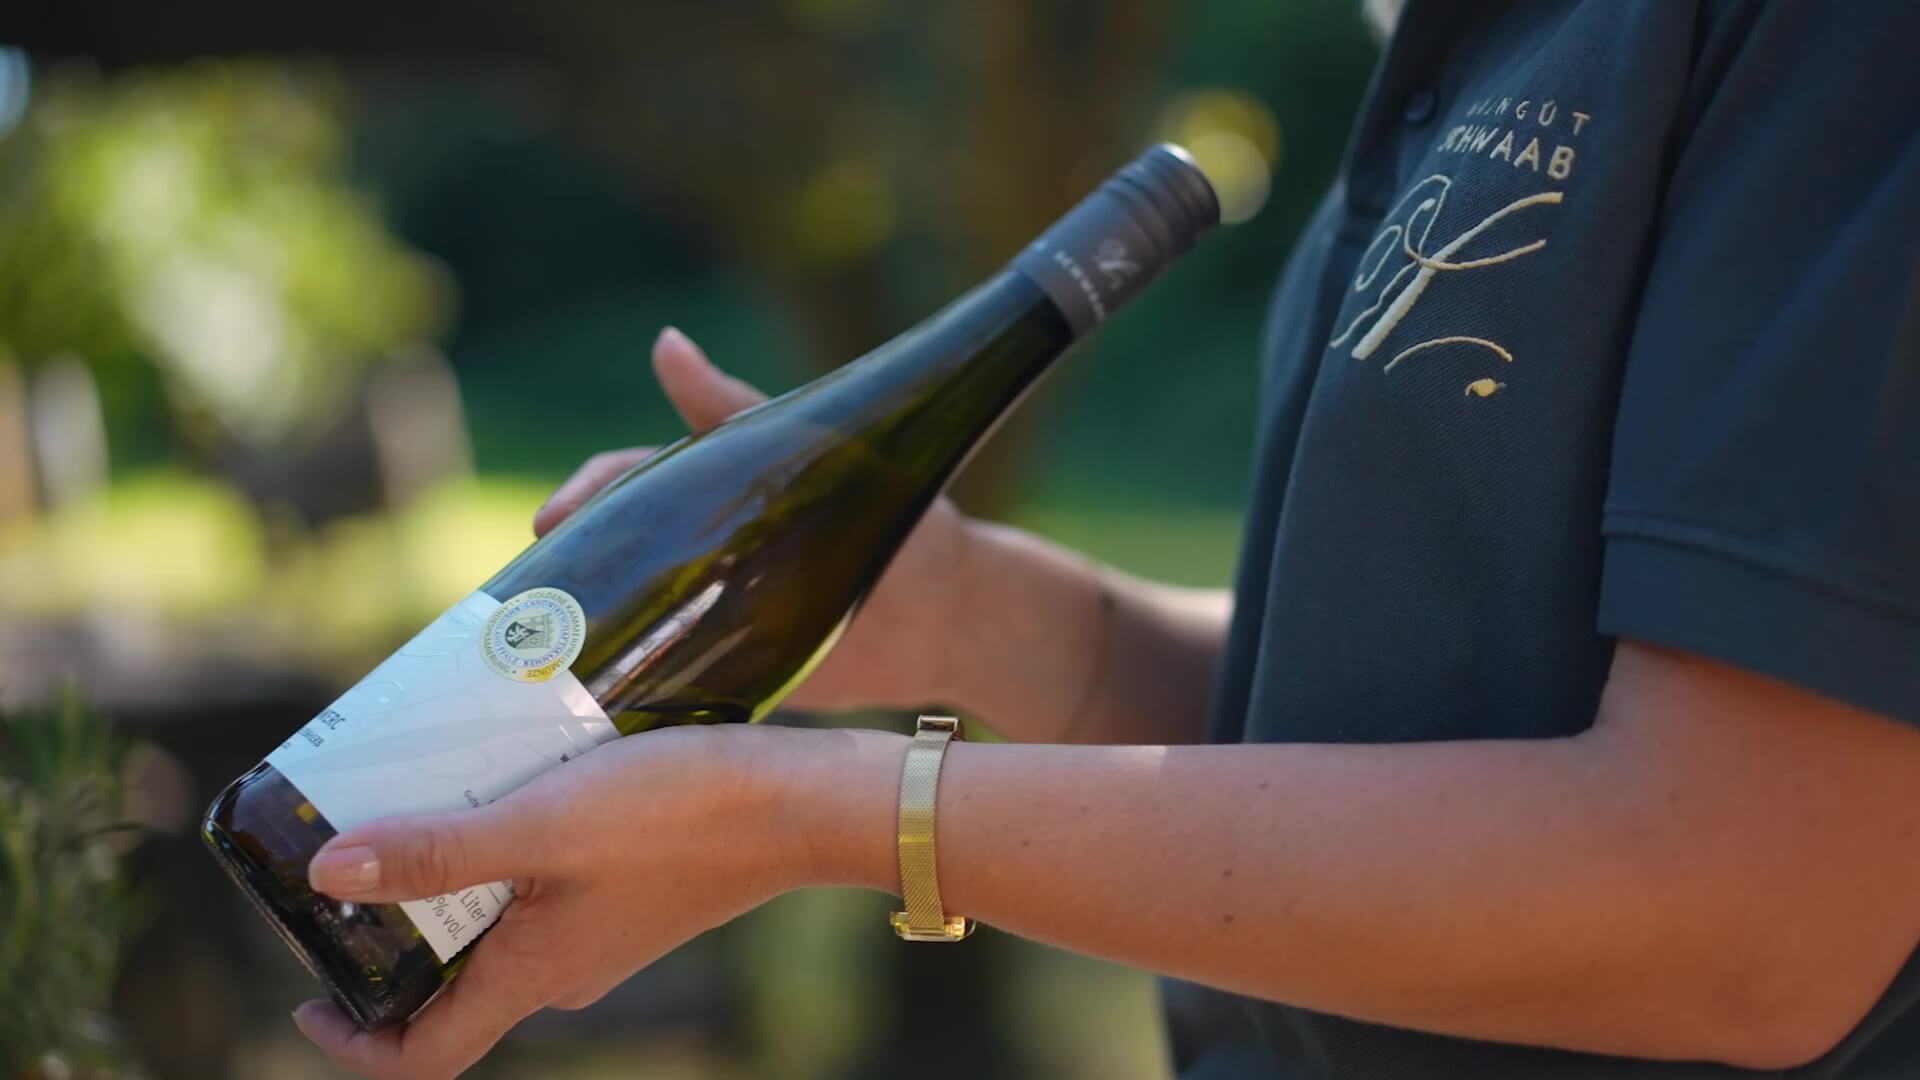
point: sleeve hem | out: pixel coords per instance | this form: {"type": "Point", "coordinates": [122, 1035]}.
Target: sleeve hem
{"type": "Point", "coordinates": [1731, 609]}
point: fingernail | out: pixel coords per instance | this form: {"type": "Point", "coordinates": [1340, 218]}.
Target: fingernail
{"type": "Point", "coordinates": [670, 335]}
{"type": "Point", "coordinates": [346, 871]}
{"type": "Point", "coordinates": [320, 1021]}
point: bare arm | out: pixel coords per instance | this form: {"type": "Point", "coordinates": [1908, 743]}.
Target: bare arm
{"type": "Point", "coordinates": [1721, 868]}
{"type": "Point", "coordinates": [1053, 647]}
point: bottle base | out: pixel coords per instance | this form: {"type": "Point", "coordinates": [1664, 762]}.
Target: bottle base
{"type": "Point", "coordinates": [369, 958]}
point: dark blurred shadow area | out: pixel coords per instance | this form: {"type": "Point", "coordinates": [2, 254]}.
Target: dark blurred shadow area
{"type": "Point", "coordinates": [303, 310]}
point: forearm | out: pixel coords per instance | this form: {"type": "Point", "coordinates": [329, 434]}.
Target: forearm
{"type": "Point", "coordinates": [1447, 887]}
{"type": "Point", "coordinates": [1463, 890]}
{"type": "Point", "coordinates": [1054, 647]}
{"type": "Point", "coordinates": [1552, 892]}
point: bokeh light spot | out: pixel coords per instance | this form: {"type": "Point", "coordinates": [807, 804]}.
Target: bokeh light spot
{"type": "Point", "coordinates": [845, 211]}
{"type": "Point", "coordinates": [1235, 140]}
{"type": "Point", "coordinates": [1239, 174]}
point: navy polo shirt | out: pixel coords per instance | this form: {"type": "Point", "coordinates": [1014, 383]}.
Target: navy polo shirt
{"type": "Point", "coordinates": [1609, 327]}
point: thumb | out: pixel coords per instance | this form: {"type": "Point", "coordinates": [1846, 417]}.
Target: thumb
{"type": "Point", "coordinates": [701, 393]}
{"type": "Point", "coordinates": [409, 858]}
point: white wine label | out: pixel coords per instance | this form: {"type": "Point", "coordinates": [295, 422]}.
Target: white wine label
{"type": "Point", "coordinates": [441, 726]}
{"type": "Point", "coordinates": [534, 635]}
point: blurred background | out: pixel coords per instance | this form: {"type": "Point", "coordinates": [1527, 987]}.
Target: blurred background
{"type": "Point", "coordinates": [303, 312]}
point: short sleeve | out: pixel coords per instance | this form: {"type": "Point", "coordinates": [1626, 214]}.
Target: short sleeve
{"type": "Point", "coordinates": [1763, 505]}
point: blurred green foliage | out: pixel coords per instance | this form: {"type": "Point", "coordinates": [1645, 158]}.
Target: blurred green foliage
{"type": "Point", "coordinates": [62, 906]}
{"type": "Point", "coordinates": [189, 549]}
{"type": "Point", "coordinates": [234, 246]}
{"type": "Point", "coordinates": [192, 221]}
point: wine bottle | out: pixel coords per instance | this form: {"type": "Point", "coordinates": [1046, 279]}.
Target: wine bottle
{"type": "Point", "coordinates": [700, 586]}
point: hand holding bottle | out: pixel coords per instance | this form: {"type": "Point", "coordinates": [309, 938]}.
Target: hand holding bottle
{"type": "Point", "coordinates": [704, 586]}
{"type": "Point", "coordinates": [617, 858]}
{"type": "Point", "coordinates": [894, 653]}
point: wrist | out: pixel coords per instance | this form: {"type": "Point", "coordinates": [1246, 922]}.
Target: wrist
{"type": "Point", "coordinates": [972, 666]}
{"type": "Point", "coordinates": [948, 666]}
{"type": "Point", "coordinates": [834, 805]}
{"type": "Point", "coordinates": [1049, 610]}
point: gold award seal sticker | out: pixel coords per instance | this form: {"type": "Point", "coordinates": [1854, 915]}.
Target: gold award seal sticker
{"type": "Point", "coordinates": [534, 636]}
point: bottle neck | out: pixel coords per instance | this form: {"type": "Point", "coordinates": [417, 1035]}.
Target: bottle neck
{"type": "Point", "coordinates": [927, 397]}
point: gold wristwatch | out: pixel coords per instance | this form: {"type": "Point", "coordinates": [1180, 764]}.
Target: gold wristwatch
{"type": "Point", "coordinates": [925, 919]}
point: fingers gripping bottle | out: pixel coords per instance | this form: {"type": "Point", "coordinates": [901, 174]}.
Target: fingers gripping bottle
{"type": "Point", "coordinates": [699, 587]}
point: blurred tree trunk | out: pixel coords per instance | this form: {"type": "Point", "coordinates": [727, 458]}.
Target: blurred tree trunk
{"type": "Point", "coordinates": [1044, 99]}
{"type": "Point", "coordinates": [1035, 137]}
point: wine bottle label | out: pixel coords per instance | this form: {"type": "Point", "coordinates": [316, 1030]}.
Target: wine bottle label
{"type": "Point", "coordinates": [477, 704]}
{"type": "Point", "coordinates": [1091, 262]}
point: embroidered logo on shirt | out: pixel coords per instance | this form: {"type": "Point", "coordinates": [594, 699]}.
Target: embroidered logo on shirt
{"type": "Point", "coordinates": [1407, 240]}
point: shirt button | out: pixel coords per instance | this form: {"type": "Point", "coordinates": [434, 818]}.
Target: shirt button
{"type": "Point", "coordinates": [1419, 107]}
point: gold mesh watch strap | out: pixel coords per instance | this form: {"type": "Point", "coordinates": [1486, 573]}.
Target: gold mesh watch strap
{"type": "Point", "coordinates": [924, 919]}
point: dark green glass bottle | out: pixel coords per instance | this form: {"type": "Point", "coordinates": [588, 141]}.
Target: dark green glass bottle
{"type": "Point", "coordinates": [701, 586]}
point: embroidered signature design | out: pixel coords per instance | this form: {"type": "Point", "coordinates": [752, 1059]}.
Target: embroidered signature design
{"type": "Point", "coordinates": [1410, 239]}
